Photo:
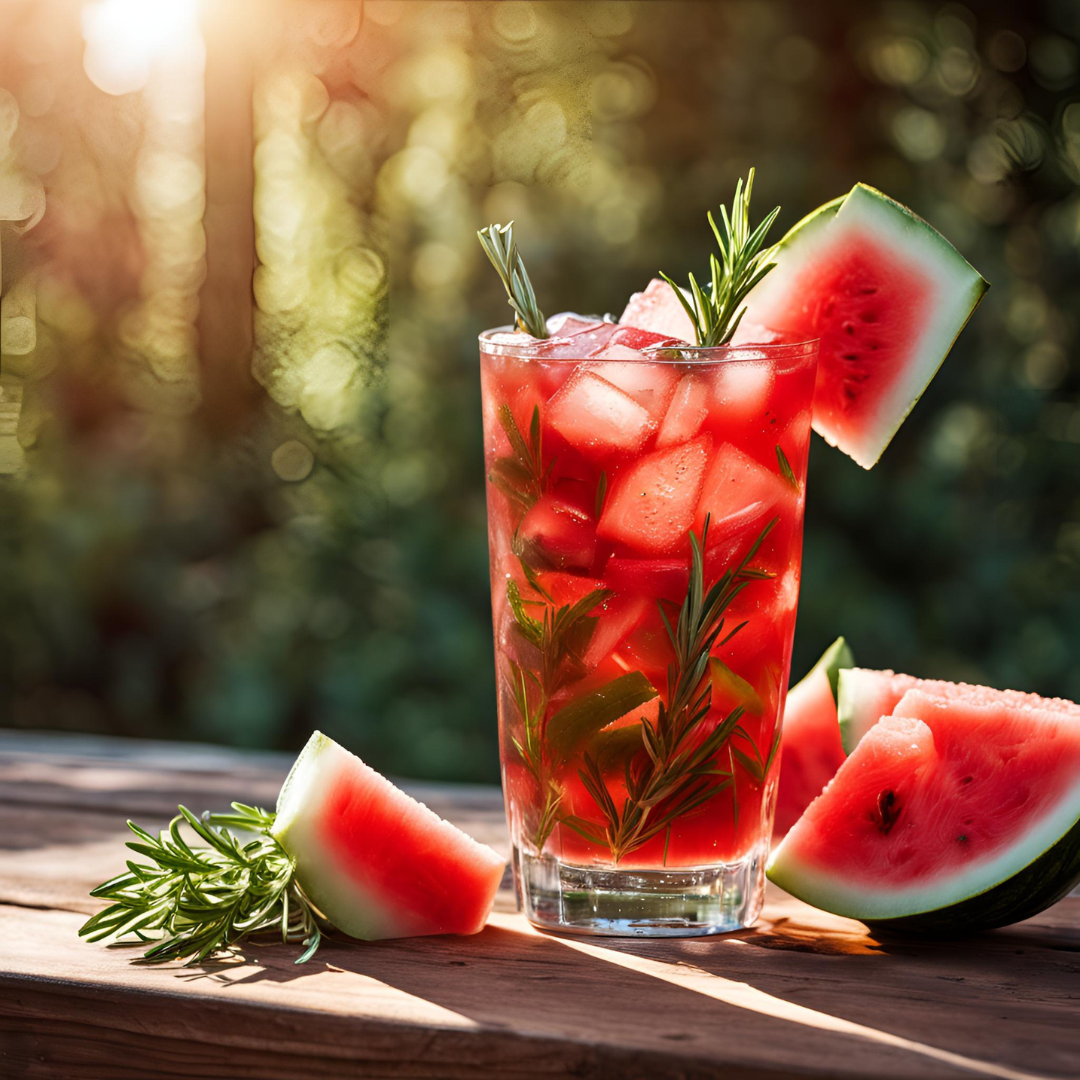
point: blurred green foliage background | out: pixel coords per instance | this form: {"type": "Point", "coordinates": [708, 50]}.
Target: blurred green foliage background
{"type": "Point", "coordinates": [325, 564]}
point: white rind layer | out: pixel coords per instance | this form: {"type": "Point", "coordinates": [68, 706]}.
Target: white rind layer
{"type": "Point", "coordinates": [956, 289]}
{"type": "Point", "coordinates": [339, 896]}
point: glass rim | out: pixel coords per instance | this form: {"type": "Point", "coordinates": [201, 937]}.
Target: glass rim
{"type": "Point", "coordinates": [672, 354]}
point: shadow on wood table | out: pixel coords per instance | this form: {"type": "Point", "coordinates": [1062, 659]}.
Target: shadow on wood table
{"type": "Point", "coordinates": [803, 994]}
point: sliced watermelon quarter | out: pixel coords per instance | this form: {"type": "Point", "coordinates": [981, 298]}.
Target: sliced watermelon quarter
{"type": "Point", "coordinates": [810, 749]}
{"type": "Point", "coordinates": [377, 863]}
{"type": "Point", "coordinates": [949, 817]}
{"type": "Point", "coordinates": [865, 695]}
{"type": "Point", "coordinates": [886, 294]}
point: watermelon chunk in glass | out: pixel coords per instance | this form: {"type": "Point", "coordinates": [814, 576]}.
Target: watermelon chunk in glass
{"type": "Point", "coordinates": [687, 411]}
{"type": "Point", "coordinates": [658, 309]}
{"type": "Point", "coordinates": [737, 491]}
{"type": "Point", "coordinates": [598, 418]}
{"type": "Point", "coordinates": [560, 532]}
{"type": "Point", "coordinates": [651, 506]}
{"type": "Point", "coordinates": [373, 860]}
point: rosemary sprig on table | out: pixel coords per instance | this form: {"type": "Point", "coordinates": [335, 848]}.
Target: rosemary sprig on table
{"type": "Point", "coordinates": [500, 247]}
{"type": "Point", "coordinates": [716, 314]}
{"type": "Point", "coordinates": [193, 902]}
{"type": "Point", "coordinates": [678, 776]}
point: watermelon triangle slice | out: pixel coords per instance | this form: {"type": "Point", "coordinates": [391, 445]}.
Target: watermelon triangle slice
{"type": "Point", "coordinates": [374, 861]}
{"type": "Point", "coordinates": [887, 295]}
{"type": "Point", "coordinates": [951, 816]}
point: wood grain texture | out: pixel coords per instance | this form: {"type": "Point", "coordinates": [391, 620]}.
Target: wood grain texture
{"type": "Point", "coordinates": [803, 994]}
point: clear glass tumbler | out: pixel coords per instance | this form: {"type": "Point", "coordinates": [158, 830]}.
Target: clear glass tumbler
{"type": "Point", "coordinates": [645, 512]}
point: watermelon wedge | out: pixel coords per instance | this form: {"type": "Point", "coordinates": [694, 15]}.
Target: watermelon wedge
{"type": "Point", "coordinates": [864, 696]}
{"type": "Point", "coordinates": [886, 294]}
{"type": "Point", "coordinates": [810, 750]}
{"type": "Point", "coordinates": [377, 863]}
{"type": "Point", "coordinates": [950, 816]}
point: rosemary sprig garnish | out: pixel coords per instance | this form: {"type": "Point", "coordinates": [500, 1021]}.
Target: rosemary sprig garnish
{"type": "Point", "coordinates": [197, 902]}
{"type": "Point", "coordinates": [520, 475]}
{"type": "Point", "coordinates": [742, 264]}
{"type": "Point", "coordinates": [786, 470]}
{"type": "Point", "coordinates": [500, 247]}
{"type": "Point", "coordinates": [560, 634]}
{"type": "Point", "coordinates": [677, 776]}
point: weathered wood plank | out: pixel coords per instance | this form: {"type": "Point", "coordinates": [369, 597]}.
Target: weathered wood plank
{"type": "Point", "coordinates": [803, 994]}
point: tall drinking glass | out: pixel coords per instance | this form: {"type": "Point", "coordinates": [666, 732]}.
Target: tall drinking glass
{"type": "Point", "coordinates": [645, 513]}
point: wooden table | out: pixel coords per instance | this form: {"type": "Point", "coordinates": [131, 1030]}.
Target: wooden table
{"type": "Point", "coordinates": [802, 995]}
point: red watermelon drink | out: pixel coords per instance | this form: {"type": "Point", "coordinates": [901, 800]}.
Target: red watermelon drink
{"type": "Point", "coordinates": [630, 480]}
{"type": "Point", "coordinates": [646, 485]}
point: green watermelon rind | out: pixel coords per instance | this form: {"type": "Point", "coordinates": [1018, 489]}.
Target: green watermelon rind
{"type": "Point", "coordinates": [851, 711]}
{"type": "Point", "coordinates": [1034, 872]}
{"type": "Point", "coordinates": [833, 660]}
{"type": "Point", "coordinates": [926, 246]}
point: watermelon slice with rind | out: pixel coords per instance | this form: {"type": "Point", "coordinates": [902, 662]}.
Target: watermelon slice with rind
{"type": "Point", "coordinates": [374, 861]}
{"type": "Point", "coordinates": [950, 816]}
{"type": "Point", "coordinates": [865, 695]}
{"type": "Point", "coordinates": [810, 749]}
{"type": "Point", "coordinates": [886, 294]}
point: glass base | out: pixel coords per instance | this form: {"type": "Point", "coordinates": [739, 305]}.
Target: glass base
{"type": "Point", "coordinates": [689, 902]}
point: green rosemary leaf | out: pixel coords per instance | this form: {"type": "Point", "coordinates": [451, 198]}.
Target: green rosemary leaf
{"type": "Point", "coordinates": [500, 247]}
{"type": "Point", "coordinates": [786, 470]}
{"type": "Point", "coordinates": [730, 685]}
{"type": "Point", "coordinates": [520, 475]}
{"type": "Point", "coordinates": [751, 766]}
{"type": "Point", "coordinates": [743, 262]}
{"type": "Point", "coordinates": [568, 728]}
{"type": "Point", "coordinates": [531, 628]}
{"type": "Point", "coordinates": [601, 494]}
{"type": "Point", "coordinates": [582, 828]}
{"type": "Point", "coordinates": [534, 581]}
{"type": "Point", "coordinates": [192, 903]}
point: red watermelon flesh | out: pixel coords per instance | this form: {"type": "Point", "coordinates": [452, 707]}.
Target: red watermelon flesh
{"type": "Point", "coordinates": [651, 506]}
{"type": "Point", "coordinates": [810, 751]}
{"type": "Point", "coordinates": [939, 803]}
{"type": "Point", "coordinates": [865, 695]}
{"type": "Point", "coordinates": [886, 294]}
{"type": "Point", "coordinates": [560, 532]}
{"type": "Point", "coordinates": [597, 418]}
{"type": "Point", "coordinates": [373, 860]}
{"type": "Point", "coordinates": [738, 491]}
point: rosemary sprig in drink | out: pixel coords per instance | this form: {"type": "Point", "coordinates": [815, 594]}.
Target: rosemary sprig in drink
{"type": "Point", "coordinates": [196, 902]}
{"type": "Point", "coordinates": [742, 264]}
{"type": "Point", "coordinates": [520, 475]}
{"type": "Point", "coordinates": [500, 247]}
{"type": "Point", "coordinates": [677, 776]}
{"type": "Point", "coordinates": [560, 635]}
